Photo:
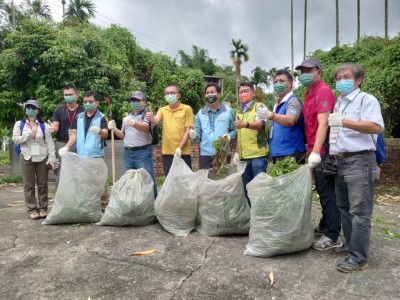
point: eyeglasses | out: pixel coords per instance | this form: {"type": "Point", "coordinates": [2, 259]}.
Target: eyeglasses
{"type": "Point", "coordinates": [88, 102]}
{"type": "Point", "coordinates": [135, 100]}
{"type": "Point", "coordinates": [171, 93]}
{"type": "Point", "coordinates": [244, 91]}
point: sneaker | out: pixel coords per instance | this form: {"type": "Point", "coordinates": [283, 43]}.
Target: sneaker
{"type": "Point", "coordinates": [43, 213]}
{"type": "Point", "coordinates": [325, 243]}
{"type": "Point", "coordinates": [340, 250]}
{"type": "Point", "coordinates": [34, 215]}
{"type": "Point", "coordinates": [318, 231]}
{"type": "Point", "coordinates": [347, 266]}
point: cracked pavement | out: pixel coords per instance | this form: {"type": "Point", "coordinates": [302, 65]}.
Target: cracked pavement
{"type": "Point", "coordinates": [81, 261]}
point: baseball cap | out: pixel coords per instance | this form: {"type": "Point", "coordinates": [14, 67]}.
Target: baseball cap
{"type": "Point", "coordinates": [33, 102]}
{"type": "Point", "coordinates": [309, 63]}
{"type": "Point", "coordinates": [137, 95]}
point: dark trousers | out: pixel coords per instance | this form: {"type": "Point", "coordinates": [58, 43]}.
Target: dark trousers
{"type": "Point", "coordinates": [299, 156]}
{"type": "Point", "coordinates": [355, 197]}
{"type": "Point", "coordinates": [205, 162]}
{"type": "Point", "coordinates": [325, 185]}
{"type": "Point", "coordinates": [167, 162]}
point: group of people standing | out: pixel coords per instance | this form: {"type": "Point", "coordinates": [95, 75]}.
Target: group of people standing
{"type": "Point", "coordinates": [343, 128]}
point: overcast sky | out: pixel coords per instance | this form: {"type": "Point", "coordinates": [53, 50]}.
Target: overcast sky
{"type": "Point", "coordinates": [264, 25]}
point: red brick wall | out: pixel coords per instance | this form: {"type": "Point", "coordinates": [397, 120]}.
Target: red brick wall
{"type": "Point", "coordinates": [158, 167]}
{"type": "Point", "coordinates": [390, 170]}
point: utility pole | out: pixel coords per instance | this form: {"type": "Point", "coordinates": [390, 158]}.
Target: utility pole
{"type": "Point", "coordinates": [63, 4]}
{"type": "Point", "coordinates": [13, 14]}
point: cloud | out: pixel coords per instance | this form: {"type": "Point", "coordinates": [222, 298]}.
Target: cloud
{"type": "Point", "coordinates": [264, 25]}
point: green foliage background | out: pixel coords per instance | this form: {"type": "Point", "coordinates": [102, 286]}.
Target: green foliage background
{"type": "Point", "coordinates": [380, 59]}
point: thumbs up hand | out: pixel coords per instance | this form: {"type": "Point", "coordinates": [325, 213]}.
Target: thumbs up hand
{"type": "Point", "coordinates": [50, 126]}
{"type": "Point", "coordinates": [239, 124]}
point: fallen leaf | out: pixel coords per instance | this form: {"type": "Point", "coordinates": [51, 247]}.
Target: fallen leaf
{"type": "Point", "coordinates": [271, 278]}
{"type": "Point", "coordinates": [146, 252]}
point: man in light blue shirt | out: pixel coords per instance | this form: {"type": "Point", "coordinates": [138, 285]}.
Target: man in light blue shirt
{"type": "Point", "coordinates": [355, 123]}
{"type": "Point", "coordinates": [212, 121]}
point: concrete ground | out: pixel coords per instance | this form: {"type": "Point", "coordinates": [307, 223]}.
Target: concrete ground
{"type": "Point", "coordinates": [81, 261]}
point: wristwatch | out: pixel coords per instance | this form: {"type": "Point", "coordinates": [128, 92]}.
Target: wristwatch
{"type": "Point", "coordinates": [248, 124]}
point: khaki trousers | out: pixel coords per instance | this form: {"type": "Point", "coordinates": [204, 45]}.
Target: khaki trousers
{"type": "Point", "coordinates": [35, 173]}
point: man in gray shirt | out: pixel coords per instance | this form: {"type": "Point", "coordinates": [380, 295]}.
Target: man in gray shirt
{"type": "Point", "coordinates": [136, 133]}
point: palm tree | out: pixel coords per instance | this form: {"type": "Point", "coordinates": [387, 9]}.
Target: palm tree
{"type": "Point", "coordinates": [386, 19]}
{"type": "Point", "coordinates": [291, 33]}
{"type": "Point", "coordinates": [259, 76]}
{"type": "Point", "coordinates": [81, 10]}
{"type": "Point", "coordinates": [337, 23]}
{"type": "Point", "coordinates": [358, 20]}
{"type": "Point", "coordinates": [305, 28]}
{"type": "Point", "coordinates": [237, 54]}
{"type": "Point", "coordinates": [39, 9]}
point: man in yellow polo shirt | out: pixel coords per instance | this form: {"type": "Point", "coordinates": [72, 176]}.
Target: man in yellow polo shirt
{"type": "Point", "coordinates": [177, 119]}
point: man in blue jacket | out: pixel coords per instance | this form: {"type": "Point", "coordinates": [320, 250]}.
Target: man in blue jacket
{"type": "Point", "coordinates": [212, 121]}
{"type": "Point", "coordinates": [89, 132]}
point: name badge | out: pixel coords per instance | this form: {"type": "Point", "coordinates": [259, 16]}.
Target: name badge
{"type": "Point", "coordinates": [271, 130]}
{"type": "Point", "coordinates": [334, 135]}
{"type": "Point", "coordinates": [35, 149]}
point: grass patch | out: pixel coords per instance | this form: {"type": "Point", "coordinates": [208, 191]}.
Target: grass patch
{"type": "Point", "coordinates": [379, 220]}
{"type": "Point", "coordinates": [11, 179]}
{"type": "Point", "coordinates": [4, 158]}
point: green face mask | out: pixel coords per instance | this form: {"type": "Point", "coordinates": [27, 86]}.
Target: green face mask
{"type": "Point", "coordinates": [136, 105]}
{"type": "Point", "coordinates": [171, 99]}
{"type": "Point", "coordinates": [279, 87]}
{"type": "Point", "coordinates": [31, 112]}
{"type": "Point", "coordinates": [306, 79]}
{"type": "Point", "coordinates": [69, 99]}
{"type": "Point", "coordinates": [89, 106]}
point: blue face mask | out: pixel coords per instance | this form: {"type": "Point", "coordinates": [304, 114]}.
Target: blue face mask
{"type": "Point", "coordinates": [136, 105]}
{"type": "Point", "coordinates": [345, 86]}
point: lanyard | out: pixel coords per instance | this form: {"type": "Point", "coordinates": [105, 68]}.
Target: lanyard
{"type": "Point", "coordinates": [349, 102]}
{"type": "Point", "coordinates": [71, 121]}
{"type": "Point", "coordinates": [33, 131]}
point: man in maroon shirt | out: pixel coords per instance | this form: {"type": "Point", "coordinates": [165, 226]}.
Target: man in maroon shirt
{"type": "Point", "coordinates": [319, 102]}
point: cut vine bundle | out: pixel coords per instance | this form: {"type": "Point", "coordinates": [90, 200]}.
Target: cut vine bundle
{"type": "Point", "coordinates": [220, 164]}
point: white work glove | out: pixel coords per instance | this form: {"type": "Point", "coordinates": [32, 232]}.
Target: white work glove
{"type": "Point", "coordinates": [63, 150]}
{"type": "Point", "coordinates": [314, 159]}
{"type": "Point", "coordinates": [94, 130]}
{"type": "Point", "coordinates": [111, 125]}
{"type": "Point", "coordinates": [335, 120]}
{"type": "Point", "coordinates": [227, 137]}
{"type": "Point", "coordinates": [192, 134]}
{"type": "Point", "coordinates": [263, 113]}
{"type": "Point", "coordinates": [128, 122]}
{"type": "Point", "coordinates": [178, 152]}
{"type": "Point", "coordinates": [235, 159]}
{"type": "Point", "coordinates": [50, 126]}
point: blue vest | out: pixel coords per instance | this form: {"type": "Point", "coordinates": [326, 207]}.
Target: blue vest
{"type": "Point", "coordinates": [286, 140]}
{"type": "Point", "coordinates": [210, 134]}
{"type": "Point", "coordinates": [89, 145]}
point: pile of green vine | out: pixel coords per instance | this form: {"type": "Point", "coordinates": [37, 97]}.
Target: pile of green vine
{"type": "Point", "coordinates": [284, 166]}
{"type": "Point", "coordinates": [219, 163]}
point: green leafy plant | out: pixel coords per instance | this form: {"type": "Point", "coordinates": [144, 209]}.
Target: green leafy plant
{"type": "Point", "coordinates": [219, 163]}
{"type": "Point", "coordinates": [11, 179]}
{"type": "Point", "coordinates": [284, 166]}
